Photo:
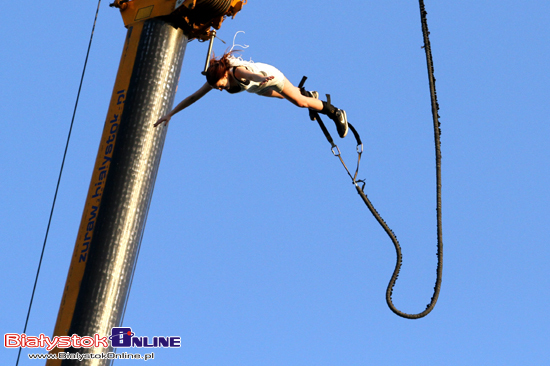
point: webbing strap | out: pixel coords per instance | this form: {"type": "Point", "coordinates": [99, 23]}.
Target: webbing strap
{"type": "Point", "coordinates": [336, 150]}
{"type": "Point", "coordinates": [314, 116]}
{"type": "Point", "coordinates": [324, 129]}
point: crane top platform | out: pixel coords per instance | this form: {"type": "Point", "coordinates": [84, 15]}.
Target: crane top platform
{"type": "Point", "coordinates": [195, 17]}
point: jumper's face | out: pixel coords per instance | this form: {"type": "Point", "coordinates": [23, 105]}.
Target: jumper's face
{"type": "Point", "coordinates": [223, 83]}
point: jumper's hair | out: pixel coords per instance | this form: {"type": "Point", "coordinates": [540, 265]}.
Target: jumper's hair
{"type": "Point", "coordinates": [218, 67]}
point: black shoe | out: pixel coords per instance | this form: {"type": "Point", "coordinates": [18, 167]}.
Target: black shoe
{"type": "Point", "coordinates": [341, 121]}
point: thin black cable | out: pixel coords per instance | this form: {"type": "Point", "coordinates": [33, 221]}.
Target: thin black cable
{"type": "Point", "coordinates": [59, 178]}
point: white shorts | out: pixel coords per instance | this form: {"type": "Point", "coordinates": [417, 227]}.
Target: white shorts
{"type": "Point", "coordinates": [276, 84]}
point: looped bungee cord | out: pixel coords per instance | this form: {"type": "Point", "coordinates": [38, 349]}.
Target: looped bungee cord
{"type": "Point", "coordinates": [360, 190]}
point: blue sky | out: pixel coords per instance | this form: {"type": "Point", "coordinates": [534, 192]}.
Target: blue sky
{"type": "Point", "coordinates": [258, 250]}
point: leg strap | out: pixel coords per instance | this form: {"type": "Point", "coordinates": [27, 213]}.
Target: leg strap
{"type": "Point", "coordinates": [305, 93]}
{"type": "Point", "coordinates": [329, 110]}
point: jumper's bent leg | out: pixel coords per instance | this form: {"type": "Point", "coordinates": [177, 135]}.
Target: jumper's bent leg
{"type": "Point", "coordinates": [293, 94]}
{"type": "Point", "coordinates": [272, 94]}
{"type": "Point", "coordinates": [339, 117]}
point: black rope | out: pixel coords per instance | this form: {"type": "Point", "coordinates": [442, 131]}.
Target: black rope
{"type": "Point", "coordinates": [59, 178]}
{"type": "Point", "coordinates": [437, 140]}
{"type": "Point", "coordinates": [360, 190]}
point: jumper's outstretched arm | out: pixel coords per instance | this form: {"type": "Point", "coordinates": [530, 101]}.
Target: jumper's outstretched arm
{"type": "Point", "coordinates": [185, 103]}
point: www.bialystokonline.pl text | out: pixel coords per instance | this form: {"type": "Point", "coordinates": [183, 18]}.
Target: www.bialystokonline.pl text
{"type": "Point", "coordinates": [91, 356]}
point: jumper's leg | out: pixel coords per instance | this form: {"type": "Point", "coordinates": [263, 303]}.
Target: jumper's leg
{"type": "Point", "coordinates": [272, 94]}
{"type": "Point", "coordinates": [293, 94]}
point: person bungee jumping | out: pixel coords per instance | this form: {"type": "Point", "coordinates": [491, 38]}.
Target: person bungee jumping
{"type": "Point", "coordinates": [236, 75]}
